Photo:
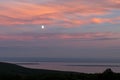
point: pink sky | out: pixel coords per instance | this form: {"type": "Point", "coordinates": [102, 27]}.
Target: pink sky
{"type": "Point", "coordinates": [70, 24]}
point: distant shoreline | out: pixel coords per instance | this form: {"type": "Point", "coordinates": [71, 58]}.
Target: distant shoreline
{"type": "Point", "coordinates": [96, 65]}
{"type": "Point", "coordinates": [86, 65]}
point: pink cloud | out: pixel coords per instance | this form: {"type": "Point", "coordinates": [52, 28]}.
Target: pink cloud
{"type": "Point", "coordinates": [55, 36]}
{"type": "Point", "coordinates": [106, 20]}
{"type": "Point", "coordinates": [55, 12]}
{"type": "Point", "coordinates": [15, 37]}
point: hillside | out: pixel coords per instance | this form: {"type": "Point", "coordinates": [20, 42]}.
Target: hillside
{"type": "Point", "coordinates": [14, 72]}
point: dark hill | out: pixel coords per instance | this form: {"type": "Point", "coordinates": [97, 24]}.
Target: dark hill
{"type": "Point", "coordinates": [9, 68]}
{"type": "Point", "coordinates": [14, 72]}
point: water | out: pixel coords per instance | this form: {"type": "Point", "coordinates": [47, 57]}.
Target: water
{"type": "Point", "coordinates": [63, 64]}
{"type": "Point", "coordinates": [75, 67]}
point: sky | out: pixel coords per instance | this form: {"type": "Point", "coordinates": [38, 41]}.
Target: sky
{"type": "Point", "coordinates": [73, 28]}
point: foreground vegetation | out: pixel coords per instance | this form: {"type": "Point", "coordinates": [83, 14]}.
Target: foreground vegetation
{"type": "Point", "coordinates": [15, 72]}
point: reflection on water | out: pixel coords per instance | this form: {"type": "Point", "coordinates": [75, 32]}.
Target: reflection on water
{"type": "Point", "coordinates": [76, 67]}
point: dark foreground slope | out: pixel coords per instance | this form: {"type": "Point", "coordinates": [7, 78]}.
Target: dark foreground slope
{"type": "Point", "coordinates": [14, 72]}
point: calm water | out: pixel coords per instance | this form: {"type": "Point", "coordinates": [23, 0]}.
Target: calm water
{"type": "Point", "coordinates": [70, 66]}
{"type": "Point", "coordinates": [63, 64]}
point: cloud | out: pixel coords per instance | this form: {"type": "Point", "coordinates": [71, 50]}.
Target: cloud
{"type": "Point", "coordinates": [51, 12]}
{"type": "Point", "coordinates": [115, 20]}
{"type": "Point", "coordinates": [15, 37]}
{"type": "Point", "coordinates": [61, 36]}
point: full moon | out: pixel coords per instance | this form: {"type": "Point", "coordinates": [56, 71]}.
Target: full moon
{"type": "Point", "coordinates": [42, 26]}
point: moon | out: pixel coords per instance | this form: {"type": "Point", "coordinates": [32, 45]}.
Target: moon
{"type": "Point", "coordinates": [43, 27]}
